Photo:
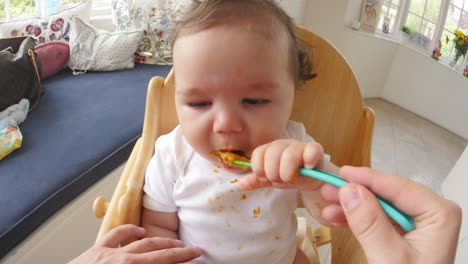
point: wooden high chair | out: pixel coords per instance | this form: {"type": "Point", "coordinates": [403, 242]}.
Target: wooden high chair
{"type": "Point", "coordinates": [331, 108]}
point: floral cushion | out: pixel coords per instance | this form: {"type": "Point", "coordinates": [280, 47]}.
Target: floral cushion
{"type": "Point", "coordinates": [52, 28]}
{"type": "Point", "coordinates": [157, 19]}
{"type": "Point", "coordinates": [92, 49]}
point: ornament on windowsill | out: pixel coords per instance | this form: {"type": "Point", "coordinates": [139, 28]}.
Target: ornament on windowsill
{"type": "Point", "coordinates": [465, 71]}
{"type": "Point", "coordinates": [436, 52]}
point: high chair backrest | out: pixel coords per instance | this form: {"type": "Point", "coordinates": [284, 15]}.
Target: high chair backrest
{"type": "Point", "coordinates": [330, 106]}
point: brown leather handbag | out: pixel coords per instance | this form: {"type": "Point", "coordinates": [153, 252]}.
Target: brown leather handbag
{"type": "Point", "coordinates": [20, 73]}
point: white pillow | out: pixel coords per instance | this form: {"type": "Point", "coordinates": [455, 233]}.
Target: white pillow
{"type": "Point", "coordinates": [54, 27]}
{"type": "Point", "coordinates": [99, 50]}
{"type": "Point", "coordinates": [157, 18]}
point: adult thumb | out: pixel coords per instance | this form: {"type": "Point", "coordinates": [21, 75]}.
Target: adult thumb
{"type": "Point", "coordinates": [369, 223]}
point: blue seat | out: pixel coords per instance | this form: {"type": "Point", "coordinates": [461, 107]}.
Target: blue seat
{"type": "Point", "coordinates": [84, 127]}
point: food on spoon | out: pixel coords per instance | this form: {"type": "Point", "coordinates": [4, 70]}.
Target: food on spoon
{"type": "Point", "coordinates": [228, 157]}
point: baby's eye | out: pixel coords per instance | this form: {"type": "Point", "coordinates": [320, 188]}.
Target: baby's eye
{"type": "Point", "coordinates": [199, 104]}
{"type": "Point", "coordinates": [253, 101]}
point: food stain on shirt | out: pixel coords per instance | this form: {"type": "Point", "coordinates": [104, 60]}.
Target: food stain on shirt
{"type": "Point", "coordinates": [210, 201]}
{"type": "Point", "coordinates": [234, 181]}
{"type": "Point", "coordinates": [215, 171]}
{"type": "Point", "coordinates": [228, 223]}
{"type": "Point", "coordinates": [220, 209]}
{"type": "Point", "coordinates": [277, 237]}
{"type": "Point", "coordinates": [256, 212]}
{"type": "Point", "coordinates": [243, 197]}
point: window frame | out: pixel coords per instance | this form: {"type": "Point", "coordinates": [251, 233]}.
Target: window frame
{"type": "Point", "coordinates": [402, 16]}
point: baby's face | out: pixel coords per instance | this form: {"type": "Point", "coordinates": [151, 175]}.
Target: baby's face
{"type": "Point", "coordinates": [234, 89]}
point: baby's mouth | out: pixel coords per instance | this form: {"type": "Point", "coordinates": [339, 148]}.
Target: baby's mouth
{"type": "Point", "coordinates": [227, 158]}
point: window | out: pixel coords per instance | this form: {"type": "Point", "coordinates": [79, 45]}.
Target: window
{"type": "Point", "coordinates": [388, 16]}
{"type": "Point", "coordinates": [423, 16]}
{"type": "Point", "coordinates": [428, 21]}
{"type": "Point", "coordinates": [24, 9]}
{"type": "Point", "coordinates": [14, 9]}
{"type": "Point", "coordinates": [457, 18]}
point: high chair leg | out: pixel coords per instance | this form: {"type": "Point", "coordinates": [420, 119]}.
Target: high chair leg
{"type": "Point", "coordinates": [306, 240]}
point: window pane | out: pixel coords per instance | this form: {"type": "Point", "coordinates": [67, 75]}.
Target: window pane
{"type": "Point", "coordinates": [428, 29]}
{"type": "Point", "coordinates": [417, 6]}
{"type": "Point", "coordinates": [464, 20]}
{"type": "Point", "coordinates": [466, 6]}
{"type": "Point", "coordinates": [2, 10]}
{"type": "Point", "coordinates": [432, 10]}
{"type": "Point", "coordinates": [383, 13]}
{"type": "Point", "coordinates": [413, 22]}
{"type": "Point", "coordinates": [22, 7]}
{"type": "Point", "coordinates": [447, 48]}
{"type": "Point", "coordinates": [396, 2]}
{"type": "Point", "coordinates": [457, 3]}
{"type": "Point", "coordinates": [453, 17]}
{"type": "Point", "coordinates": [392, 14]}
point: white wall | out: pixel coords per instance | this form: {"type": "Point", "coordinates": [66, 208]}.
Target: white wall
{"type": "Point", "coordinates": [392, 71]}
{"type": "Point", "coordinates": [424, 86]}
{"type": "Point", "coordinates": [369, 57]}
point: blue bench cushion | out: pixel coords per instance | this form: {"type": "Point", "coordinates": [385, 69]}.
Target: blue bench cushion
{"type": "Point", "coordinates": [84, 127]}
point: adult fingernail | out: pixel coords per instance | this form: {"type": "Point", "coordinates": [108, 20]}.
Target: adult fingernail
{"type": "Point", "coordinates": [349, 197]}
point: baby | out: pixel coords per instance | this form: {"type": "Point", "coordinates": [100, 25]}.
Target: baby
{"type": "Point", "coordinates": [236, 67]}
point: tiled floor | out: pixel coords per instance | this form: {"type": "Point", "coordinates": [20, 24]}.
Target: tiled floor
{"type": "Point", "coordinates": [411, 146]}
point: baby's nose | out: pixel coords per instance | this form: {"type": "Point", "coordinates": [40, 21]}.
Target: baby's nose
{"type": "Point", "coordinates": [228, 122]}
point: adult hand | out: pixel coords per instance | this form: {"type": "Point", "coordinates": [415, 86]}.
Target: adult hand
{"type": "Point", "coordinates": [437, 220]}
{"type": "Point", "coordinates": [148, 250]}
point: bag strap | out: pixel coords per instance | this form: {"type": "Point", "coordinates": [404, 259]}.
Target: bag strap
{"type": "Point", "coordinates": [39, 87]}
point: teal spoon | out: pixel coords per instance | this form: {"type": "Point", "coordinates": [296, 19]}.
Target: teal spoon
{"type": "Point", "coordinates": [404, 220]}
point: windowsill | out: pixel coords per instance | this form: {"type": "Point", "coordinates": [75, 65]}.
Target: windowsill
{"type": "Point", "coordinates": [442, 61]}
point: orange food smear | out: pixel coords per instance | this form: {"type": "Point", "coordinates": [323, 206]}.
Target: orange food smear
{"type": "Point", "coordinates": [243, 197]}
{"type": "Point", "coordinates": [277, 237]}
{"type": "Point", "coordinates": [215, 171]}
{"type": "Point", "coordinates": [229, 157]}
{"type": "Point", "coordinates": [256, 212]}
{"type": "Point", "coordinates": [234, 181]}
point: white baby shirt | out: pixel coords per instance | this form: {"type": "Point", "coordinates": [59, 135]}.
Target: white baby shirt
{"type": "Point", "coordinates": [229, 225]}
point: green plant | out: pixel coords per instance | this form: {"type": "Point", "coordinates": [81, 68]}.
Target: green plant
{"type": "Point", "coordinates": [406, 30]}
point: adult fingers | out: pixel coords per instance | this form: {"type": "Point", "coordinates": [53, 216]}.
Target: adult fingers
{"type": "Point", "coordinates": [170, 256]}
{"type": "Point", "coordinates": [152, 244]}
{"type": "Point", "coordinates": [410, 197]}
{"type": "Point", "coordinates": [121, 233]}
{"type": "Point", "coordinates": [335, 215]}
{"type": "Point", "coordinates": [329, 192]}
{"type": "Point", "coordinates": [369, 223]}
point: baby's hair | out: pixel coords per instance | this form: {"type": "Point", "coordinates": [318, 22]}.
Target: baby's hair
{"type": "Point", "coordinates": [204, 14]}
